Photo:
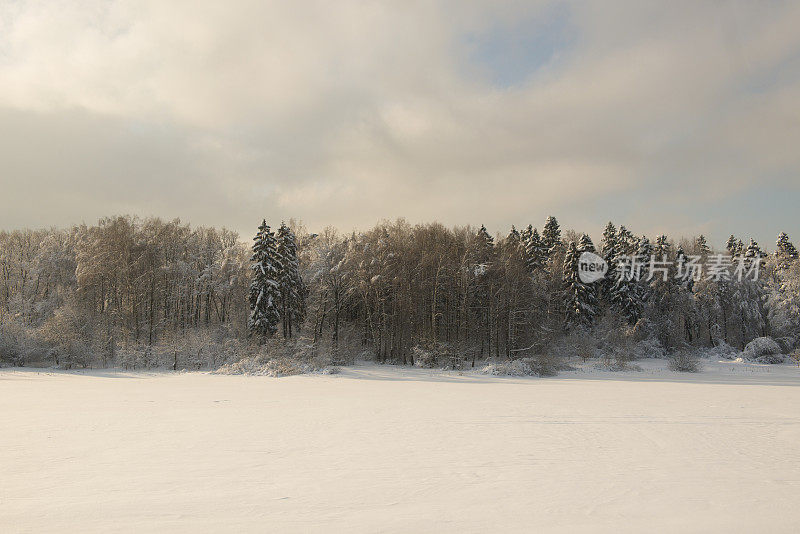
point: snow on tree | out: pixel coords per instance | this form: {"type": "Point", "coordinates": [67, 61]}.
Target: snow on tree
{"type": "Point", "coordinates": [535, 251]}
{"type": "Point", "coordinates": [681, 260]}
{"type": "Point", "coordinates": [730, 245]}
{"type": "Point", "coordinates": [644, 252]}
{"type": "Point", "coordinates": [626, 295]}
{"type": "Point", "coordinates": [609, 248]}
{"type": "Point", "coordinates": [580, 298]}
{"type": "Point", "coordinates": [738, 249]}
{"type": "Point", "coordinates": [701, 246]}
{"type": "Point", "coordinates": [514, 240]}
{"type": "Point", "coordinates": [585, 244]}
{"type": "Point", "coordinates": [485, 240]}
{"type": "Point", "coordinates": [292, 289]}
{"type": "Point", "coordinates": [662, 247]}
{"type": "Point", "coordinates": [626, 242]}
{"type": "Point", "coordinates": [785, 253]}
{"type": "Point", "coordinates": [551, 235]}
{"type": "Point", "coordinates": [525, 236]}
{"type": "Point", "coordinates": [784, 301]}
{"type": "Point", "coordinates": [265, 286]}
{"type": "Point", "coordinates": [753, 252]}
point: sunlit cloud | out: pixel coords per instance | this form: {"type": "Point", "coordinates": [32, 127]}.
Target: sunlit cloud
{"type": "Point", "coordinates": [655, 116]}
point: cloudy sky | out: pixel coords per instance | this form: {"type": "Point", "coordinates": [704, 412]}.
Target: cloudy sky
{"type": "Point", "coordinates": [676, 117]}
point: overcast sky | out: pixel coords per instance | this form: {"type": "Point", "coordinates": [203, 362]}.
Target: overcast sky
{"type": "Point", "coordinates": [674, 117]}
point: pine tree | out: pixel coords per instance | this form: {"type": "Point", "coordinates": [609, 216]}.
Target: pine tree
{"type": "Point", "coordinates": [581, 299]}
{"type": "Point", "coordinates": [514, 239]}
{"type": "Point", "coordinates": [585, 244]}
{"type": "Point", "coordinates": [662, 249]}
{"type": "Point", "coordinates": [535, 253]}
{"type": "Point", "coordinates": [626, 293]}
{"type": "Point", "coordinates": [680, 262]}
{"type": "Point", "coordinates": [644, 252]}
{"type": "Point", "coordinates": [701, 245]}
{"type": "Point", "coordinates": [609, 243]}
{"type": "Point", "coordinates": [525, 236]}
{"type": "Point", "coordinates": [292, 289]}
{"type": "Point", "coordinates": [730, 245]}
{"type": "Point", "coordinates": [551, 235]}
{"type": "Point", "coordinates": [485, 247]}
{"type": "Point", "coordinates": [738, 249]}
{"type": "Point", "coordinates": [785, 252]}
{"type": "Point", "coordinates": [484, 237]}
{"type": "Point", "coordinates": [264, 288]}
{"type": "Point", "coordinates": [753, 252]}
{"type": "Point", "coordinates": [609, 250]}
{"type": "Point", "coordinates": [626, 243]}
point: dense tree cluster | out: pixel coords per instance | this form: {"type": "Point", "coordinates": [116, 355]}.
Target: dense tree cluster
{"type": "Point", "coordinates": [150, 292]}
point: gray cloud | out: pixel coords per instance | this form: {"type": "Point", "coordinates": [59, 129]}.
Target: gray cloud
{"type": "Point", "coordinates": [654, 116]}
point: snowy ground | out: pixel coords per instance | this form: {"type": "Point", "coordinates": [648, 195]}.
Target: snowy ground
{"type": "Point", "coordinates": [402, 450]}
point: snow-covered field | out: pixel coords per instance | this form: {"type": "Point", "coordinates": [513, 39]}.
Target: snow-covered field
{"type": "Point", "coordinates": [387, 449]}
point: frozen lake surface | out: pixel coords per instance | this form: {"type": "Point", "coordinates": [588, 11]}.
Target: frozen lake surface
{"type": "Point", "coordinates": [381, 448]}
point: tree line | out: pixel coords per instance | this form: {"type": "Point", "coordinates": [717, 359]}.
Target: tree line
{"type": "Point", "coordinates": [144, 292]}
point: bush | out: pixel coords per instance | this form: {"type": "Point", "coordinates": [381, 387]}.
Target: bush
{"type": "Point", "coordinates": [512, 368]}
{"type": "Point", "coordinates": [439, 355]}
{"type": "Point", "coordinates": [684, 362]}
{"type": "Point", "coordinates": [14, 344]}
{"type": "Point", "coordinates": [648, 348]}
{"type": "Point", "coordinates": [423, 358]}
{"type": "Point", "coordinates": [763, 350]}
{"type": "Point", "coordinates": [275, 367]}
{"type": "Point", "coordinates": [721, 351]}
{"type": "Point", "coordinates": [542, 365]}
{"type": "Point", "coordinates": [579, 343]}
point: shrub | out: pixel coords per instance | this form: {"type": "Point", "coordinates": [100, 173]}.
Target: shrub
{"type": "Point", "coordinates": [544, 365]}
{"type": "Point", "coordinates": [684, 362]}
{"type": "Point", "coordinates": [512, 368]}
{"type": "Point", "coordinates": [423, 358]}
{"type": "Point", "coordinates": [648, 348]}
{"type": "Point", "coordinates": [541, 365]}
{"type": "Point", "coordinates": [14, 344]}
{"type": "Point", "coordinates": [275, 367]}
{"type": "Point", "coordinates": [763, 350]}
{"type": "Point", "coordinates": [720, 351]}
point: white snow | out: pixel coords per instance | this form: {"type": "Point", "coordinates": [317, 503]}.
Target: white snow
{"type": "Point", "coordinates": [380, 448]}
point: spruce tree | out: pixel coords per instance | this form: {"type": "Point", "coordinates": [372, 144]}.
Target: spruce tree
{"type": "Point", "coordinates": [730, 245]}
{"type": "Point", "coordinates": [753, 252]}
{"type": "Point", "coordinates": [514, 239]}
{"type": "Point", "coordinates": [609, 242]}
{"type": "Point", "coordinates": [264, 288]}
{"type": "Point", "coordinates": [644, 252]}
{"type": "Point", "coordinates": [585, 244]}
{"type": "Point", "coordinates": [701, 246]}
{"type": "Point", "coordinates": [687, 282]}
{"type": "Point", "coordinates": [580, 298]}
{"type": "Point", "coordinates": [485, 240]}
{"type": "Point", "coordinates": [535, 253]}
{"type": "Point", "coordinates": [662, 248]}
{"type": "Point", "coordinates": [292, 289]}
{"type": "Point", "coordinates": [626, 242]}
{"type": "Point", "coordinates": [738, 249]}
{"type": "Point", "coordinates": [609, 250]}
{"type": "Point", "coordinates": [551, 235]}
{"type": "Point", "coordinates": [626, 295]}
{"type": "Point", "coordinates": [525, 235]}
{"type": "Point", "coordinates": [785, 252]}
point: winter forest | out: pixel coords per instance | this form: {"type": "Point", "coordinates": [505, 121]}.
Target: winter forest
{"type": "Point", "coordinates": [148, 293]}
